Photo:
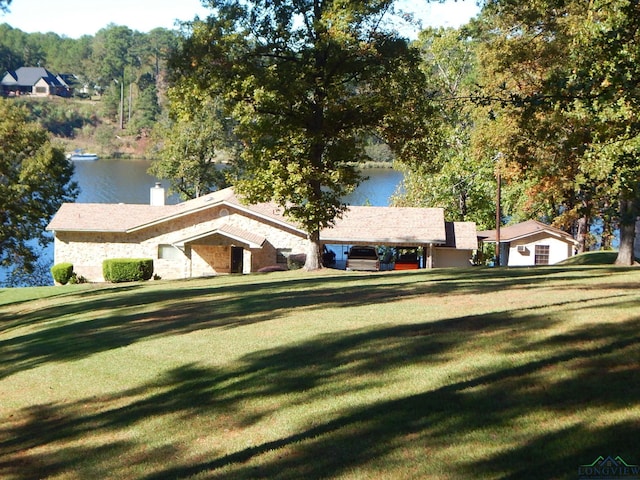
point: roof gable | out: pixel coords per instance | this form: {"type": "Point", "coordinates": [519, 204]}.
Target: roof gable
{"type": "Point", "coordinates": [526, 229]}
{"type": "Point", "coordinates": [9, 78]}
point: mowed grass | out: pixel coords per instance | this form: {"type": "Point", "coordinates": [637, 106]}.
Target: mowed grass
{"type": "Point", "coordinates": [442, 374]}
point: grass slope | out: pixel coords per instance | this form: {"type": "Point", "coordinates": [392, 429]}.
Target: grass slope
{"type": "Point", "coordinates": [444, 374]}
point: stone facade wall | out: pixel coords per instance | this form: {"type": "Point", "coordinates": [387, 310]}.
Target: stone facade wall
{"type": "Point", "coordinates": [208, 255]}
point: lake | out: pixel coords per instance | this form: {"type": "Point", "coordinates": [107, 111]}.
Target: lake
{"type": "Point", "coordinates": [127, 181]}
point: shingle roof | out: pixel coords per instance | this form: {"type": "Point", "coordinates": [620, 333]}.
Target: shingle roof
{"type": "Point", "coordinates": [220, 227]}
{"type": "Point", "coordinates": [29, 76]}
{"type": "Point", "coordinates": [105, 217]}
{"type": "Point", "coordinates": [358, 225]}
{"type": "Point", "coordinates": [388, 226]}
{"type": "Point", "coordinates": [522, 230]}
{"type": "Point", "coordinates": [461, 235]}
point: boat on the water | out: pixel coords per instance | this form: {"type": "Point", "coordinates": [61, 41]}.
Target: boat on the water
{"type": "Point", "coordinates": [79, 155]}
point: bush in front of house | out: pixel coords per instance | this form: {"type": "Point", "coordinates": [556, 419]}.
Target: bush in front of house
{"type": "Point", "coordinates": [62, 273]}
{"type": "Point", "coordinates": [296, 261]}
{"type": "Point", "coordinates": [117, 270]}
{"type": "Point", "coordinates": [272, 268]}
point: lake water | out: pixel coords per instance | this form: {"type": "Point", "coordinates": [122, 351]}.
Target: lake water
{"type": "Point", "coordinates": [127, 181]}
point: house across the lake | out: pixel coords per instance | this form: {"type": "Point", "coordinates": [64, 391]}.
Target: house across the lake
{"type": "Point", "coordinates": [531, 243]}
{"type": "Point", "coordinates": [218, 233]}
{"type": "Point", "coordinates": [36, 81]}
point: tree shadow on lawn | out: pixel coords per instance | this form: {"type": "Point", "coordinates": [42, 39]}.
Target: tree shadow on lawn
{"type": "Point", "coordinates": [416, 426]}
{"type": "Point", "coordinates": [417, 429]}
{"type": "Point", "coordinates": [115, 317]}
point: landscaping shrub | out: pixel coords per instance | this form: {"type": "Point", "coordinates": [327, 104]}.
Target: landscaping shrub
{"type": "Point", "coordinates": [118, 270]}
{"type": "Point", "coordinates": [296, 261]}
{"type": "Point", "coordinates": [77, 279]}
{"type": "Point", "coordinates": [272, 268]}
{"type": "Point", "coordinates": [62, 273]}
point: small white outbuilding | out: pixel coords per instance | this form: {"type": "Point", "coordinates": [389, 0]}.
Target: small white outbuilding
{"type": "Point", "coordinates": [531, 243]}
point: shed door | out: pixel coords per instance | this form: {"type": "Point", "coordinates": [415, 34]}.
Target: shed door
{"type": "Point", "coordinates": [237, 254]}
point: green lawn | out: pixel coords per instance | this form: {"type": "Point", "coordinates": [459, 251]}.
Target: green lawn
{"type": "Point", "coordinates": [443, 374]}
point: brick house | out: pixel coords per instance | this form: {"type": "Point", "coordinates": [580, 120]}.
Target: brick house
{"type": "Point", "coordinates": [217, 234]}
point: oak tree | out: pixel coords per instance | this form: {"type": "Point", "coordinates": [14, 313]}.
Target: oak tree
{"type": "Point", "coordinates": [193, 145]}
{"type": "Point", "coordinates": [35, 179]}
{"type": "Point", "coordinates": [453, 178]}
{"type": "Point", "coordinates": [307, 83]}
{"type": "Point", "coordinates": [564, 75]}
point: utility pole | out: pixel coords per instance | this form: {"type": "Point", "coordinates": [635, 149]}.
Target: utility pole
{"type": "Point", "coordinates": [497, 160]}
{"type": "Point", "coordinates": [122, 104]}
{"type": "Point", "coordinates": [498, 217]}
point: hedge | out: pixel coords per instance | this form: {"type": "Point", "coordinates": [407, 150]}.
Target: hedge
{"type": "Point", "coordinates": [296, 261]}
{"type": "Point", "coordinates": [118, 270]}
{"type": "Point", "coordinates": [62, 273]}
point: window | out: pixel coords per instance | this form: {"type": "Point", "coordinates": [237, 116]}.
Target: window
{"type": "Point", "coordinates": [169, 252]}
{"type": "Point", "coordinates": [542, 254]}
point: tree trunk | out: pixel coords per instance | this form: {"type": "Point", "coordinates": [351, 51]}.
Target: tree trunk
{"type": "Point", "coordinates": [581, 233]}
{"type": "Point", "coordinates": [314, 253]}
{"type": "Point", "coordinates": [628, 217]}
{"type": "Point", "coordinates": [462, 204]}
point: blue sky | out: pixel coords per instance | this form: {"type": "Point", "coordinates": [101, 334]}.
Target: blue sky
{"type": "Point", "coordinates": [74, 18]}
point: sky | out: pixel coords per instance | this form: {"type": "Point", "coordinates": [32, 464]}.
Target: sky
{"type": "Point", "coordinates": [74, 18]}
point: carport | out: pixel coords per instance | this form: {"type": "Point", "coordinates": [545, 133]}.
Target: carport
{"type": "Point", "coordinates": [408, 227]}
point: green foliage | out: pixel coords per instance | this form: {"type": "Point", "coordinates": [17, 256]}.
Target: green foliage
{"type": "Point", "coordinates": [453, 179]}
{"type": "Point", "coordinates": [306, 87]}
{"type": "Point", "coordinates": [296, 261]}
{"type": "Point", "coordinates": [105, 136]}
{"type": "Point", "coordinates": [146, 109]}
{"type": "Point", "coordinates": [62, 272]}
{"type": "Point", "coordinates": [118, 270]}
{"type": "Point", "coordinates": [36, 274]}
{"type": "Point", "coordinates": [113, 54]}
{"type": "Point", "coordinates": [561, 78]}
{"type": "Point", "coordinates": [137, 60]}
{"type": "Point", "coordinates": [36, 179]}
{"type": "Point", "coordinates": [192, 148]}
{"type": "Point", "coordinates": [59, 117]}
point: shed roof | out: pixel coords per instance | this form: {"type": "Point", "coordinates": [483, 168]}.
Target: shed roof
{"type": "Point", "coordinates": [518, 231]}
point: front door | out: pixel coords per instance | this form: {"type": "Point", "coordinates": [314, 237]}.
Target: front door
{"type": "Point", "coordinates": [237, 254]}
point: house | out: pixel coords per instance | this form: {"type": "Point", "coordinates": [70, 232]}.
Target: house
{"type": "Point", "coordinates": [531, 243]}
{"type": "Point", "coordinates": [37, 81]}
{"type": "Point", "coordinates": [217, 233]}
